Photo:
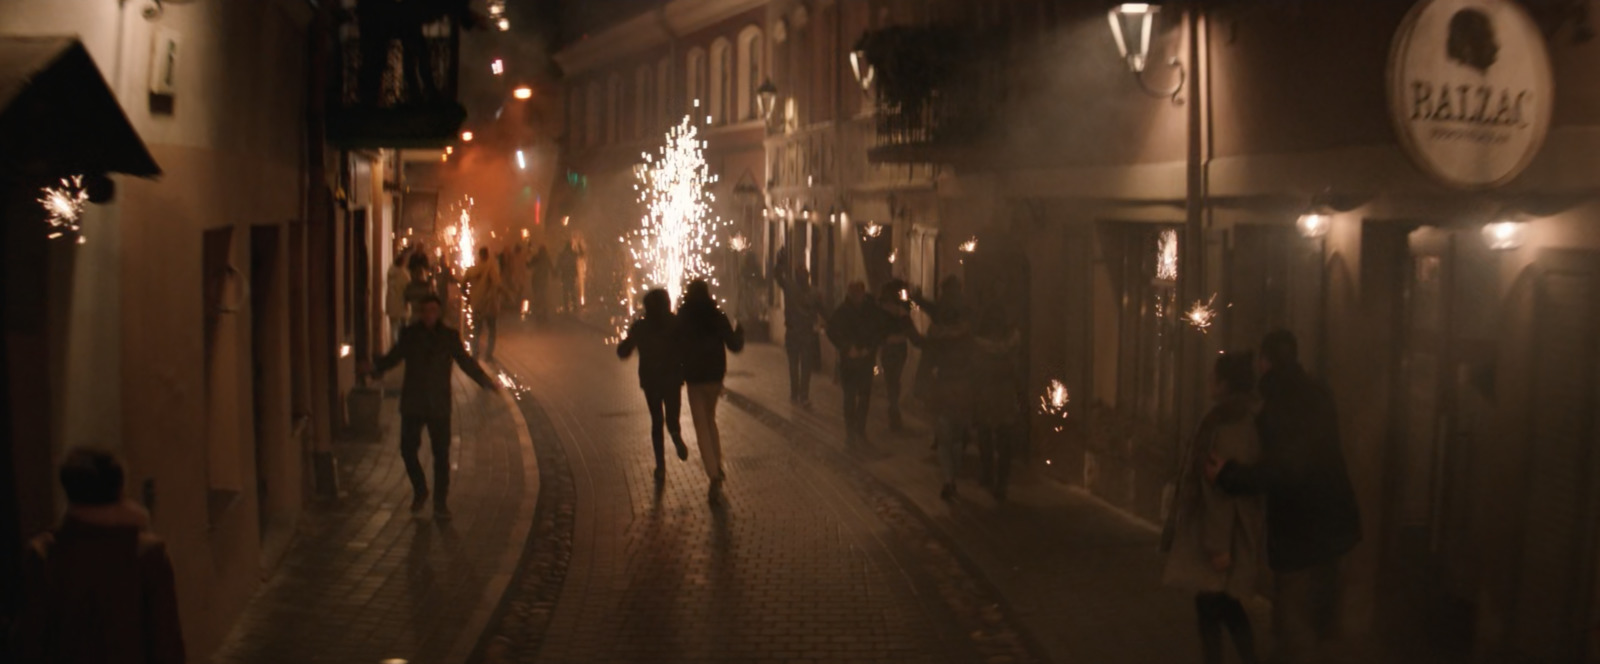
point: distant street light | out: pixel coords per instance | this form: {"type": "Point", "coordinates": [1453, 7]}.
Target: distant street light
{"type": "Point", "coordinates": [498, 66]}
{"type": "Point", "coordinates": [504, 24]}
{"type": "Point", "coordinates": [522, 92]}
{"type": "Point", "coordinates": [466, 137]}
{"type": "Point", "coordinates": [522, 161]}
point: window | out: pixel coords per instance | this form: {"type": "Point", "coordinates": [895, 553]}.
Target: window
{"type": "Point", "coordinates": [694, 76]}
{"type": "Point", "coordinates": [663, 85]}
{"type": "Point", "coordinates": [641, 101]}
{"type": "Point", "coordinates": [722, 77]}
{"type": "Point", "coordinates": [751, 57]}
{"type": "Point", "coordinates": [614, 108]}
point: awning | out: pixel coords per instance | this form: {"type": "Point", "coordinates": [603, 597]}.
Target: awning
{"type": "Point", "coordinates": [57, 115]}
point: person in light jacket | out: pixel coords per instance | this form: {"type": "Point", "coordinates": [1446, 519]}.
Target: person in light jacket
{"type": "Point", "coordinates": [660, 372]}
{"type": "Point", "coordinates": [1216, 538]}
{"type": "Point", "coordinates": [394, 296]}
{"type": "Point", "coordinates": [487, 292]}
{"type": "Point", "coordinates": [705, 336]}
{"type": "Point", "coordinates": [99, 588]}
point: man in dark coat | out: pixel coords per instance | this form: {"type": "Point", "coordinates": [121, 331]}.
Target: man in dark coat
{"type": "Point", "coordinates": [655, 337]}
{"type": "Point", "coordinates": [856, 329]}
{"type": "Point", "coordinates": [1312, 517]}
{"type": "Point", "coordinates": [99, 588]}
{"type": "Point", "coordinates": [802, 312]}
{"type": "Point", "coordinates": [428, 348]}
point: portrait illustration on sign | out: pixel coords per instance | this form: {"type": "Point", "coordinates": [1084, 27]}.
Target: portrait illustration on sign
{"type": "Point", "coordinates": [1472, 41]}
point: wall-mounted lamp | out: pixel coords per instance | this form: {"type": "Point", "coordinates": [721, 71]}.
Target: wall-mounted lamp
{"type": "Point", "coordinates": [1313, 225]}
{"type": "Point", "coordinates": [767, 99]}
{"type": "Point", "coordinates": [1505, 235]}
{"type": "Point", "coordinates": [1133, 26]}
{"type": "Point", "coordinates": [863, 70]}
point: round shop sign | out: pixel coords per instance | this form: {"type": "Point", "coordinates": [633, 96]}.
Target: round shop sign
{"type": "Point", "coordinates": [1470, 90]}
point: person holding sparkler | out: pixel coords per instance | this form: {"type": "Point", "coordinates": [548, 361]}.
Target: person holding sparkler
{"type": "Point", "coordinates": [899, 332]}
{"type": "Point", "coordinates": [1000, 396]}
{"type": "Point", "coordinates": [949, 350]}
{"type": "Point", "coordinates": [856, 331]}
{"type": "Point", "coordinates": [486, 292]}
{"type": "Point", "coordinates": [706, 335]}
{"type": "Point", "coordinates": [660, 372]}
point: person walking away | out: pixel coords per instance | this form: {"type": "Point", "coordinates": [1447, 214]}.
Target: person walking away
{"type": "Point", "coordinates": [855, 330]}
{"type": "Point", "coordinates": [541, 269]}
{"type": "Point", "coordinates": [998, 412]}
{"type": "Point", "coordinates": [1216, 539]}
{"type": "Point", "coordinates": [802, 315]}
{"type": "Point", "coordinates": [428, 348]}
{"type": "Point", "coordinates": [899, 333]}
{"type": "Point", "coordinates": [99, 587]}
{"type": "Point", "coordinates": [394, 296]}
{"type": "Point", "coordinates": [660, 372]}
{"type": "Point", "coordinates": [705, 335]}
{"type": "Point", "coordinates": [487, 292]}
{"type": "Point", "coordinates": [949, 355]}
{"type": "Point", "coordinates": [1312, 517]}
{"type": "Point", "coordinates": [567, 267]}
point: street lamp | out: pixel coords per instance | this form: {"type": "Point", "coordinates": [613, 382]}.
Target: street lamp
{"type": "Point", "coordinates": [1504, 235]}
{"type": "Point", "coordinates": [767, 99]}
{"type": "Point", "coordinates": [522, 92]}
{"type": "Point", "coordinates": [466, 137]}
{"type": "Point", "coordinates": [1133, 26]}
{"type": "Point", "coordinates": [1313, 225]}
{"type": "Point", "coordinates": [863, 70]}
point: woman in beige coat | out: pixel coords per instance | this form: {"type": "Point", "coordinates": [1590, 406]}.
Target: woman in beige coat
{"type": "Point", "coordinates": [1215, 539]}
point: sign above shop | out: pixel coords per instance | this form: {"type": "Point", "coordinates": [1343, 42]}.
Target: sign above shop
{"type": "Point", "coordinates": [1470, 90]}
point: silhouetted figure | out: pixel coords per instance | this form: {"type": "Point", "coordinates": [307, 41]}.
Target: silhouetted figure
{"type": "Point", "coordinates": [99, 588]}
{"type": "Point", "coordinates": [515, 270]}
{"type": "Point", "coordinates": [706, 335]}
{"type": "Point", "coordinates": [948, 350]}
{"type": "Point", "coordinates": [1312, 517]}
{"type": "Point", "coordinates": [428, 348]}
{"type": "Point", "coordinates": [1214, 537]}
{"type": "Point", "coordinates": [998, 407]}
{"type": "Point", "coordinates": [567, 268]}
{"type": "Point", "coordinates": [655, 337]}
{"type": "Point", "coordinates": [487, 291]}
{"type": "Point", "coordinates": [856, 329]}
{"type": "Point", "coordinates": [540, 267]}
{"type": "Point", "coordinates": [417, 290]}
{"type": "Point", "coordinates": [899, 333]}
{"type": "Point", "coordinates": [802, 316]}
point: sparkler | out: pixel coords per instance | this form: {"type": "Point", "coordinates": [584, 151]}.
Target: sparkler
{"type": "Point", "coordinates": [678, 230]}
{"type": "Point", "coordinates": [738, 243]}
{"type": "Point", "coordinates": [64, 205]}
{"type": "Point", "coordinates": [970, 246]}
{"type": "Point", "coordinates": [1202, 315]}
{"type": "Point", "coordinates": [1054, 402]}
{"type": "Point", "coordinates": [893, 255]}
{"type": "Point", "coordinates": [1167, 256]}
{"type": "Point", "coordinates": [873, 229]}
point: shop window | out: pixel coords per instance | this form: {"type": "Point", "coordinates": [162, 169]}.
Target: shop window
{"type": "Point", "coordinates": [1138, 314]}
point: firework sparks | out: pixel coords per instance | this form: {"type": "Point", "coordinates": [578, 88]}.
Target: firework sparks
{"type": "Point", "coordinates": [679, 230]}
{"type": "Point", "coordinates": [64, 205]}
{"type": "Point", "coordinates": [970, 246]}
{"type": "Point", "coordinates": [893, 256]}
{"type": "Point", "coordinates": [1054, 402]}
{"type": "Point", "coordinates": [738, 243]}
{"type": "Point", "coordinates": [1167, 256]}
{"type": "Point", "coordinates": [1202, 315]}
{"type": "Point", "coordinates": [873, 230]}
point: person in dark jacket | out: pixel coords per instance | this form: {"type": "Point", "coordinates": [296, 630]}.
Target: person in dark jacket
{"type": "Point", "coordinates": [856, 330]}
{"type": "Point", "coordinates": [1312, 517]}
{"type": "Point", "coordinates": [705, 335]}
{"type": "Point", "coordinates": [660, 372]}
{"type": "Point", "coordinates": [999, 416]}
{"type": "Point", "coordinates": [428, 348]}
{"type": "Point", "coordinates": [899, 333]}
{"type": "Point", "coordinates": [99, 588]}
{"type": "Point", "coordinates": [802, 315]}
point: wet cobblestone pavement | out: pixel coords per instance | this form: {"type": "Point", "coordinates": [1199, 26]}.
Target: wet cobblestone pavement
{"type": "Point", "coordinates": [808, 561]}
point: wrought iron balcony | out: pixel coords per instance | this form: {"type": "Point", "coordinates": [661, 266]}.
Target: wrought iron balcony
{"type": "Point", "coordinates": [932, 95]}
{"type": "Point", "coordinates": [398, 83]}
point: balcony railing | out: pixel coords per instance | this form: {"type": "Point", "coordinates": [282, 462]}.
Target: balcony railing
{"type": "Point", "coordinates": [397, 85]}
{"type": "Point", "coordinates": [933, 95]}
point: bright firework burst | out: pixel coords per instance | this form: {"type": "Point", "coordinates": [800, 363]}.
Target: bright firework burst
{"type": "Point", "coordinates": [1054, 402]}
{"type": "Point", "coordinates": [1167, 256]}
{"type": "Point", "coordinates": [65, 204]}
{"type": "Point", "coordinates": [678, 230]}
{"type": "Point", "coordinates": [1202, 315]}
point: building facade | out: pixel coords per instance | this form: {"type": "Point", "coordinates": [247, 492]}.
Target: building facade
{"type": "Point", "coordinates": [1263, 161]}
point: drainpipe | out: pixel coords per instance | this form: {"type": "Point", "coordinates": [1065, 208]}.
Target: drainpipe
{"type": "Point", "coordinates": [1192, 259]}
